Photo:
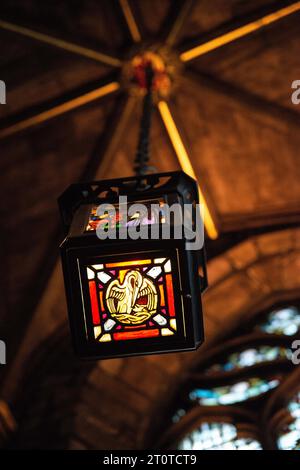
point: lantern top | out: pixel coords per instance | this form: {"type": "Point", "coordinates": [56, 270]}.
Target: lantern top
{"type": "Point", "coordinates": [135, 188]}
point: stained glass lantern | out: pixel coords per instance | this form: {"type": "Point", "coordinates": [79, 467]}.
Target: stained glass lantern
{"type": "Point", "coordinates": [129, 294]}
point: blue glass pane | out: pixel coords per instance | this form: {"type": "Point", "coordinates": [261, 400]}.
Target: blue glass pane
{"type": "Point", "coordinates": [250, 357]}
{"type": "Point", "coordinates": [236, 393]}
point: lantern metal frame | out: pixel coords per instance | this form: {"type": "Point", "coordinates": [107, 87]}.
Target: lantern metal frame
{"type": "Point", "coordinates": [81, 248]}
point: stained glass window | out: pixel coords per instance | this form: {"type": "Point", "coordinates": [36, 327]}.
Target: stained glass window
{"type": "Point", "coordinates": [248, 374]}
{"type": "Point", "coordinates": [249, 357]}
{"type": "Point", "coordinates": [178, 415]}
{"type": "Point", "coordinates": [132, 299]}
{"type": "Point", "coordinates": [289, 438]}
{"type": "Point", "coordinates": [285, 321]}
{"type": "Point", "coordinates": [153, 213]}
{"type": "Point", "coordinates": [235, 393]}
{"type": "Point", "coordinates": [218, 436]}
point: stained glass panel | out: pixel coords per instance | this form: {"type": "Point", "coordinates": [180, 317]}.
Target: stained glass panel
{"type": "Point", "coordinates": [132, 299]}
{"type": "Point", "coordinates": [153, 213]}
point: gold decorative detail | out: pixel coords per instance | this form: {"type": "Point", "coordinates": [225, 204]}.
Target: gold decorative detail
{"type": "Point", "coordinates": [134, 301]}
{"type": "Point", "coordinates": [165, 64]}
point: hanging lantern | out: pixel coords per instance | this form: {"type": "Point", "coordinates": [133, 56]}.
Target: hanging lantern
{"type": "Point", "coordinates": [125, 295]}
{"type": "Point", "coordinates": [133, 259]}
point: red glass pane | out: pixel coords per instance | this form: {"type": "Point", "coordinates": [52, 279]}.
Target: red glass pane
{"type": "Point", "coordinates": [170, 295]}
{"type": "Point", "coordinates": [136, 334]}
{"type": "Point", "coordinates": [94, 302]}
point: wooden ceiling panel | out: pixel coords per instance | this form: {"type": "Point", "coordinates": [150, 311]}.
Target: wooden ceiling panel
{"type": "Point", "coordinates": [208, 16]}
{"type": "Point", "coordinates": [265, 63]}
{"type": "Point", "coordinates": [151, 14]}
{"type": "Point", "coordinates": [47, 72]}
{"type": "Point", "coordinates": [91, 22]}
{"type": "Point", "coordinates": [162, 156]}
{"type": "Point", "coordinates": [35, 171]}
{"type": "Point", "coordinates": [247, 161]}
